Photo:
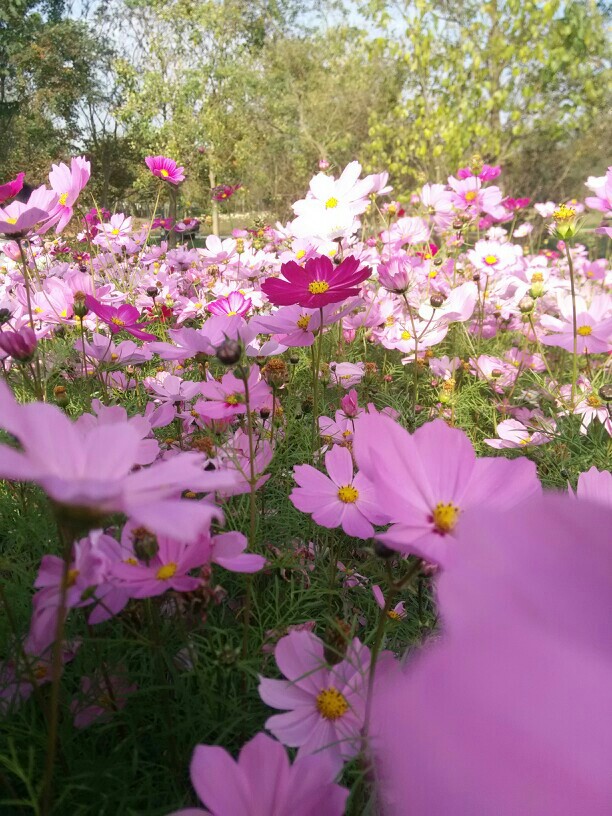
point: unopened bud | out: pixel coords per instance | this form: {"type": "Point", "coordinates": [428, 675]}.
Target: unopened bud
{"type": "Point", "coordinates": [152, 292]}
{"type": "Point", "coordinates": [229, 352]}
{"type": "Point", "coordinates": [605, 392]}
{"type": "Point", "coordinates": [526, 304]}
{"type": "Point", "coordinates": [78, 306]}
{"type": "Point", "coordinates": [436, 300]}
{"type": "Point", "coordinates": [382, 551]}
{"type": "Point", "coordinates": [60, 396]}
{"type": "Point", "coordinates": [5, 316]}
{"type": "Point", "coordinates": [145, 544]}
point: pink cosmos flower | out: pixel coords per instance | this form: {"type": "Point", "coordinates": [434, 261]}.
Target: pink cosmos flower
{"type": "Point", "coordinates": [397, 274]}
{"type": "Point", "coordinates": [101, 696]}
{"type": "Point", "coordinates": [234, 304]}
{"type": "Point", "coordinates": [316, 284]}
{"type": "Point", "coordinates": [602, 187]}
{"type": "Point", "coordinates": [18, 675]}
{"type": "Point", "coordinates": [11, 188]}
{"type": "Point", "coordinates": [102, 349]}
{"type": "Point", "coordinates": [325, 705]}
{"type": "Point", "coordinates": [67, 183]}
{"type": "Point", "coordinates": [165, 169]}
{"type": "Point", "coordinates": [399, 610]}
{"type": "Point", "coordinates": [514, 434]}
{"type": "Point", "coordinates": [18, 218]}
{"type": "Point", "coordinates": [488, 172]}
{"type": "Point", "coordinates": [226, 399]}
{"type": "Point", "coordinates": [498, 691]}
{"type": "Point", "coordinates": [594, 332]}
{"type": "Point", "coordinates": [340, 499]}
{"type": "Point", "coordinates": [90, 470]}
{"type": "Point", "coordinates": [426, 480]}
{"type": "Point", "coordinates": [170, 388]}
{"type": "Point", "coordinates": [350, 403]}
{"type": "Point", "coordinates": [346, 375]}
{"type": "Point", "coordinates": [121, 318]}
{"type": "Point", "coordinates": [408, 230]}
{"type": "Point", "coordinates": [470, 195]}
{"type": "Point", "coordinates": [262, 781]}
{"type": "Point", "coordinates": [595, 485]}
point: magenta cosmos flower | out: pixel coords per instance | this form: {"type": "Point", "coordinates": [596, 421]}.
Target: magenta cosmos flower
{"type": "Point", "coordinates": [325, 704]}
{"type": "Point", "coordinates": [20, 345]}
{"type": "Point", "coordinates": [165, 169]}
{"type": "Point", "coordinates": [426, 480]}
{"type": "Point", "coordinates": [263, 783]}
{"type": "Point", "coordinates": [120, 318]}
{"type": "Point", "coordinates": [317, 283]}
{"type": "Point", "coordinates": [226, 399]}
{"type": "Point", "coordinates": [89, 471]}
{"type": "Point", "coordinates": [509, 712]}
{"type": "Point", "coordinates": [11, 188]}
{"type": "Point", "coordinates": [224, 191]}
{"type": "Point", "coordinates": [340, 499]}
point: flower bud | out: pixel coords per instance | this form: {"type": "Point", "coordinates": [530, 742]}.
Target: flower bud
{"type": "Point", "coordinates": [229, 352]}
{"type": "Point", "coordinates": [60, 395]}
{"type": "Point", "coordinates": [526, 304]}
{"type": "Point", "coordinates": [537, 290]}
{"type": "Point", "coordinates": [152, 292]}
{"type": "Point", "coordinates": [19, 345]}
{"type": "Point", "coordinates": [145, 544]}
{"type": "Point", "coordinates": [78, 307]}
{"type": "Point", "coordinates": [5, 316]}
{"type": "Point", "coordinates": [382, 551]}
{"type": "Point", "coordinates": [605, 392]}
{"type": "Point", "coordinates": [436, 300]}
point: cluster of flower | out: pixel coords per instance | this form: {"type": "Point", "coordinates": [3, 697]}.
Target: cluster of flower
{"type": "Point", "coordinates": [460, 265]}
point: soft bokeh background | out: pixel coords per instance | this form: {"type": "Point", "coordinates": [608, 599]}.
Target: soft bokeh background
{"type": "Point", "coordinates": [258, 91]}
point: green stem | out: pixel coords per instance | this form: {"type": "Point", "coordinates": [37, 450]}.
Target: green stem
{"type": "Point", "coordinates": [574, 324]}
{"type": "Point", "coordinates": [252, 513]}
{"type": "Point", "coordinates": [46, 795]}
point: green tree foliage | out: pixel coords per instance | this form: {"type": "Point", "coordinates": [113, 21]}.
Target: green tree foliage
{"type": "Point", "coordinates": [491, 77]}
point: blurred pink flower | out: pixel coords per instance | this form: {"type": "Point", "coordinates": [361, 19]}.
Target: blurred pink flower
{"type": "Point", "coordinates": [262, 781]}
{"type": "Point", "coordinates": [509, 711]}
{"type": "Point", "coordinates": [10, 188]}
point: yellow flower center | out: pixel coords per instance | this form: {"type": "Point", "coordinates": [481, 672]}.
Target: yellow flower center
{"type": "Point", "coordinates": [117, 321]}
{"type": "Point", "coordinates": [63, 199]}
{"type": "Point", "coordinates": [331, 704]}
{"type": "Point", "coordinates": [132, 561]}
{"type": "Point", "coordinates": [300, 254]}
{"type": "Point", "coordinates": [232, 314]}
{"type": "Point", "coordinates": [318, 287]}
{"type": "Point", "coordinates": [406, 335]}
{"type": "Point", "coordinates": [389, 321]}
{"type": "Point", "coordinates": [445, 517]}
{"type": "Point", "coordinates": [394, 615]}
{"type": "Point", "coordinates": [433, 273]}
{"type": "Point", "coordinates": [584, 331]}
{"type": "Point", "coordinates": [115, 232]}
{"type": "Point", "coordinates": [331, 203]}
{"type": "Point", "coordinates": [470, 195]}
{"type": "Point", "coordinates": [348, 494]}
{"type": "Point", "coordinates": [491, 259]}
{"type": "Point", "coordinates": [11, 220]}
{"type": "Point", "coordinates": [303, 322]}
{"type": "Point", "coordinates": [41, 671]}
{"type": "Point", "coordinates": [71, 577]}
{"type": "Point", "coordinates": [593, 401]}
{"type": "Point", "coordinates": [114, 356]}
{"type": "Point", "coordinates": [232, 399]}
{"type": "Point", "coordinates": [564, 213]}
{"type": "Point", "coordinates": [166, 572]}
{"type": "Point", "coordinates": [164, 173]}
{"type": "Point", "coordinates": [537, 277]}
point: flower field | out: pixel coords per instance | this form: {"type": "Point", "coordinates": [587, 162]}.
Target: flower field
{"type": "Point", "coordinates": [310, 519]}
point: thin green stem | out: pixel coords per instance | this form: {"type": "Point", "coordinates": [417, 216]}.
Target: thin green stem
{"type": "Point", "coordinates": [574, 323]}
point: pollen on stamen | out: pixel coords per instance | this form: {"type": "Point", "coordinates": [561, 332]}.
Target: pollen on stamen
{"type": "Point", "coordinates": [167, 571]}
{"type": "Point", "coordinates": [318, 287]}
{"type": "Point", "coordinates": [332, 704]}
{"type": "Point", "coordinates": [445, 517]}
{"type": "Point", "coordinates": [347, 494]}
